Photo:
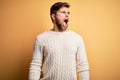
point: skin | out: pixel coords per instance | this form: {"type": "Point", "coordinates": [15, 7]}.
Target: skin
{"type": "Point", "coordinates": [59, 24]}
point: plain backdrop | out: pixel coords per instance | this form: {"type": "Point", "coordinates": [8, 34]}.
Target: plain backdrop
{"type": "Point", "coordinates": [98, 21]}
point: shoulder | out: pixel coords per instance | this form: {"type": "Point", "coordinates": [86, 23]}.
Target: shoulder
{"type": "Point", "coordinates": [77, 38]}
{"type": "Point", "coordinates": [42, 36]}
{"type": "Point", "coordinates": [76, 35]}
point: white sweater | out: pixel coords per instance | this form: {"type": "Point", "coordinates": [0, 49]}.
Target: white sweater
{"type": "Point", "coordinates": [55, 55]}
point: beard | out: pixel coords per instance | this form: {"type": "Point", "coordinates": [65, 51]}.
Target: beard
{"type": "Point", "coordinates": [60, 25]}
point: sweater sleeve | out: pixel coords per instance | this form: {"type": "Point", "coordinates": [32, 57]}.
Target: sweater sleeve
{"type": "Point", "coordinates": [36, 63]}
{"type": "Point", "coordinates": [82, 63]}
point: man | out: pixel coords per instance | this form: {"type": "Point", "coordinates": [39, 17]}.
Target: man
{"type": "Point", "coordinates": [59, 52]}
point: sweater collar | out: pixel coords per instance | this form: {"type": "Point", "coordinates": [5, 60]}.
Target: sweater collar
{"type": "Point", "coordinates": [59, 33]}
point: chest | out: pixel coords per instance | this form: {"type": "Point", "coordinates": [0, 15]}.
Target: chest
{"type": "Point", "coordinates": [60, 45]}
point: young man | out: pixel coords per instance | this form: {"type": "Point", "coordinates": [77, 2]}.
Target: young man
{"type": "Point", "coordinates": [59, 53]}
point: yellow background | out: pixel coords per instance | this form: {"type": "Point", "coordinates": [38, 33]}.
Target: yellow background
{"type": "Point", "coordinates": [98, 21]}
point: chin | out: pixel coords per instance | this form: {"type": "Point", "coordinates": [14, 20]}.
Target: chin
{"type": "Point", "coordinates": [64, 28]}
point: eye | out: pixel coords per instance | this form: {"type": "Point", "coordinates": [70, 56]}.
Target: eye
{"type": "Point", "coordinates": [63, 11]}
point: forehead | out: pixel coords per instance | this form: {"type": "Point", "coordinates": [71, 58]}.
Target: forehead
{"type": "Point", "coordinates": [64, 9]}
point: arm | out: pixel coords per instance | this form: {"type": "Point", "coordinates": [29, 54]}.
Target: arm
{"type": "Point", "coordinates": [35, 66]}
{"type": "Point", "coordinates": [82, 63]}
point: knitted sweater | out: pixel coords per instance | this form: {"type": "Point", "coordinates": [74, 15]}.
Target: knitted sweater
{"type": "Point", "coordinates": [55, 55]}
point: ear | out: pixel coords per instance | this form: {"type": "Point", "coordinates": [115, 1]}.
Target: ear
{"type": "Point", "coordinates": [53, 16]}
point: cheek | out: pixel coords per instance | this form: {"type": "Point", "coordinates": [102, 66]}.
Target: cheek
{"type": "Point", "coordinates": [60, 17]}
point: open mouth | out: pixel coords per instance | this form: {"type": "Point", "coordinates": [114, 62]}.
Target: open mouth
{"type": "Point", "coordinates": [66, 21]}
{"type": "Point", "coordinates": [65, 24]}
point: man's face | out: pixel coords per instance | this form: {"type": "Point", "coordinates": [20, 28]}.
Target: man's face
{"type": "Point", "coordinates": [62, 18]}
